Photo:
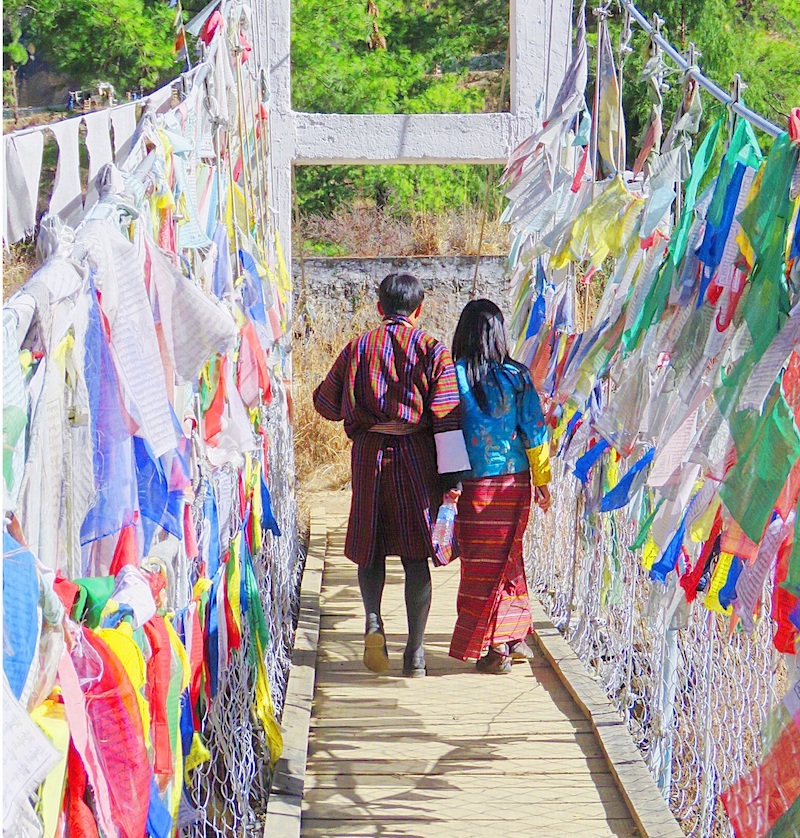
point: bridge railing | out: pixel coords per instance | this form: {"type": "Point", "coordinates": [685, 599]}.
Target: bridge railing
{"type": "Point", "coordinates": [172, 233]}
{"type": "Point", "coordinates": [694, 697]}
{"type": "Point", "coordinates": [669, 562]}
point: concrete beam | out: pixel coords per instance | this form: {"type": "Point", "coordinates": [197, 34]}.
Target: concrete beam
{"type": "Point", "coordinates": [279, 53]}
{"type": "Point", "coordinates": [540, 37]}
{"type": "Point", "coordinates": [407, 138]}
{"type": "Point", "coordinates": [282, 149]}
{"type": "Point", "coordinates": [539, 43]}
{"type": "Point", "coordinates": [528, 30]}
{"type": "Point", "coordinates": [558, 49]}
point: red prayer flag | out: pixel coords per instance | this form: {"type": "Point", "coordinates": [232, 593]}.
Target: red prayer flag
{"type": "Point", "coordinates": [189, 533]}
{"type": "Point", "coordinates": [126, 553]}
{"type": "Point", "coordinates": [213, 416]}
{"type": "Point", "coordinates": [756, 802]}
{"type": "Point", "coordinates": [158, 676]}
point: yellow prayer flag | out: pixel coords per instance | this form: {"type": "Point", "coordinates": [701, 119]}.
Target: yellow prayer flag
{"type": "Point", "coordinates": [51, 718]}
{"type": "Point", "coordinates": [718, 579]}
{"type": "Point", "coordinates": [701, 528]}
{"type": "Point", "coordinates": [649, 554]}
{"type": "Point", "coordinates": [120, 641]}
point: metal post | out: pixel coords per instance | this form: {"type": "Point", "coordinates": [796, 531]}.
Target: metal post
{"type": "Point", "coordinates": [707, 790]}
{"type": "Point", "coordinates": [625, 50]}
{"type": "Point", "coordinates": [243, 143]}
{"type": "Point", "coordinates": [574, 580]}
{"type": "Point", "coordinates": [669, 667]}
{"type": "Point", "coordinates": [601, 13]}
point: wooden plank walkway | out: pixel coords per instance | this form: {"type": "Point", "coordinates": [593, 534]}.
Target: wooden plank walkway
{"type": "Point", "coordinates": [454, 754]}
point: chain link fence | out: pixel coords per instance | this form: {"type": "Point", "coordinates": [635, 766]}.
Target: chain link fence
{"type": "Point", "coordinates": [229, 793]}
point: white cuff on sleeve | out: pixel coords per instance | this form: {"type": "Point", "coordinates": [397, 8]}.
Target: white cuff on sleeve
{"type": "Point", "coordinates": [451, 452]}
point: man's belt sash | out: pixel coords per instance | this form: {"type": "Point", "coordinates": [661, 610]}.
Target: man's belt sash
{"type": "Point", "coordinates": [394, 428]}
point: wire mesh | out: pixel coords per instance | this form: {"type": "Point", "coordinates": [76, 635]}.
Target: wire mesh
{"type": "Point", "coordinates": [280, 564]}
{"type": "Point", "coordinates": [222, 119]}
{"type": "Point", "coordinates": [229, 793]}
{"type": "Point", "coordinates": [693, 695]}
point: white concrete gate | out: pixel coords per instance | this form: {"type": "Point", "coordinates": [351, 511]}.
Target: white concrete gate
{"type": "Point", "coordinates": [540, 40]}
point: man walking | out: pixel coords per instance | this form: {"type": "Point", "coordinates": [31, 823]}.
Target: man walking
{"type": "Point", "coordinates": [395, 390]}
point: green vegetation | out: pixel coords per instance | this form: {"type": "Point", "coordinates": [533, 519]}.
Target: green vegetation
{"type": "Point", "coordinates": [757, 38]}
{"type": "Point", "coordinates": [411, 56]}
{"type": "Point", "coordinates": [389, 57]}
{"type": "Point", "coordinates": [395, 56]}
{"type": "Point", "coordinates": [128, 43]}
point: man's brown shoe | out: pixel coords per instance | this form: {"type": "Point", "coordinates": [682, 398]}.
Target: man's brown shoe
{"type": "Point", "coordinates": [494, 662]}
{"type": "Point", "coordinates": [376, 657]}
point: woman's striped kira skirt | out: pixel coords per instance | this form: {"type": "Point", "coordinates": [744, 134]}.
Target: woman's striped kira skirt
{"type": "Point", "coordinates": [493, 604]}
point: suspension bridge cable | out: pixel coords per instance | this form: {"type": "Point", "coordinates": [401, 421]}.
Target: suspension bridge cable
{"type": "Point", "coordinates": [715, 90]}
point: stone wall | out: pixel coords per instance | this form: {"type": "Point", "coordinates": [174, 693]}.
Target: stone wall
{"type": "Point", "coordinates": [338, 288]}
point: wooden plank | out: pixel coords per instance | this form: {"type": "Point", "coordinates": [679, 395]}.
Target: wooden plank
{"type": "Point", "coordinates": [524, 681]}
{"type": "Point", "coordinates": [373, 730]}
{"type": "Point", "coordinates": [437, 664]}
{"type": "Point", "coordinates": [348, 704]}
{"type": "Point", "coordinates": [435, 828]}
{"type": "Point", "coordinates": [528, 766]}
{"type": "Point", "coordinates": [544, 719]}
{"type": "Point", "coordinates": [648, 808]}
{"type": "Point", "coordinates": [553, 784]}
{"type": "Point", "coordinates": [285, 799]}
{"type": "Point", "coordinates": [454, 753]}
{"type": "Point", "coordinates": [502, 800]}
{"type": "Point", "coordinates": [458, 748]}
{"type": "Point", "coordinates": [439, 684]}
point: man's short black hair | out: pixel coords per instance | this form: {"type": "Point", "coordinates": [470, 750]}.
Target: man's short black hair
{"type": "Point", "coordinates": [400, 293]}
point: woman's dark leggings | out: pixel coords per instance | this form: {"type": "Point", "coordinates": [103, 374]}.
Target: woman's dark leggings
{"type": "Point", "coordinates": [418, 598]}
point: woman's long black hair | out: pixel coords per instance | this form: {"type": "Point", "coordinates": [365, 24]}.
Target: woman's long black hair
{"type": "Point", "coordinates": [481, 342]}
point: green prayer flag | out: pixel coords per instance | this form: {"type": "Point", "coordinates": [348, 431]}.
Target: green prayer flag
{"type": "Point", "coordinates": [93, 594]}
{"type": "Point", "coordinates": [255, 614]}
{"type": "Point", "coordinates": [14, 421]}
{"type": "Point", "coordinates": [644, 529]}
{"type": "Point", "coordinates": [765, 221]}
{"type": "Point", "coordinates": [656, 300]}
{"type": "Point", "coordinates": [743, 149]}
{"type": "Point", "coordinates": [752, 486]}
{"type": "Point", "coordinates": [174, 700]}
{"type": "Point", "coordinates": [765, 305]}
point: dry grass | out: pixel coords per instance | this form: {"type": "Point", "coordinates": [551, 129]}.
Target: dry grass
{"type": "Point", "coordinates": [19, 262]}
{"type": "Point", "coordinates": [29, 118]}
{"type": "Point", "coordinates": [322, 451]}
{"type": "Point", "coordinates": [366, 231]}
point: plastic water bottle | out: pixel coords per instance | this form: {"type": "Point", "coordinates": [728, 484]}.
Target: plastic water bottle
{"type": "Point", "coordinates": [443, 528]}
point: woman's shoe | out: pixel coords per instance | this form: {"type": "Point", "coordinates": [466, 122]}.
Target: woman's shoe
{"type": "Point", "coordinates": [520, 651]}
{"type": "Point", "coordinates": [494, 662]}
{"type": "Point", "coordinates": [376, 657]}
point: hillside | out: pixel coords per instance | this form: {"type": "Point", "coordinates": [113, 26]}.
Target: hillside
{"type": "Point", "coordinates": [414, 56]}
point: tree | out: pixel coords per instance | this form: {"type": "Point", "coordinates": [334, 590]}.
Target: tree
{"type": "Point", "coordinates": [17, 48]}
{"type": "Point", "coordinates": [126, 42]}
{"type": "Point", "coordinates": [756, 38]}
{"type": "Point", "coordinates": [337, 69]}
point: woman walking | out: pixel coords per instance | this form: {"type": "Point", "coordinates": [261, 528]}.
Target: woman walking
{"type": "Point", "coordinates": [506, 441]}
